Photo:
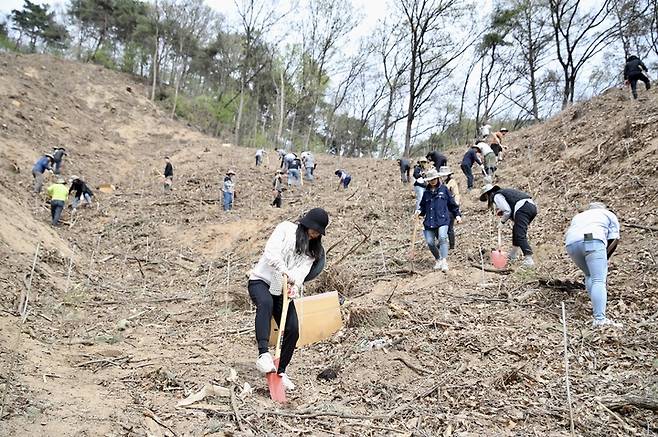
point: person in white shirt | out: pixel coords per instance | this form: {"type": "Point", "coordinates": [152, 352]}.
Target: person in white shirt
{"type": "Point", "coordinates": [259, 156]}
{"type": "Point", "coordinates": [591, 239]}
{"type": "Point", "coordinates": [294, 251]}
{"type": "Point", "coordinates": [515, 205]}
{"type": "Point", "coordinates": [489, 158]}
{"type": "Point", "coordinates": [485, 130]}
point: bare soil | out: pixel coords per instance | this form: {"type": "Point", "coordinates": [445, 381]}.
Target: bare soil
{"type": "Point", "coordinates": [466, 352]}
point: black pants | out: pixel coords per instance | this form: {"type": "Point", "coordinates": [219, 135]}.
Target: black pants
{"type": "Point", "coordinates": [522, 219]}
{"type": "Point", "coordinates": [633, 78]}
{"type": "Point", "coordinates": [277, 201]}
{"type": "Point", "coordinates": [267, 306]}
{"type": "Point", "coordinates": [469, 176]}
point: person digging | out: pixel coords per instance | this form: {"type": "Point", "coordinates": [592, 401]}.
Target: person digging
{"type": "Point", "coordinates": [436, 206]}
{"type": "Point", "coordinates": [58, 193]}
{"type": "Point", "coordinates": [293, 251]}
{"type": "Point", "coordinates": [515, 205]}
{"type": "Point", "coordinates": [590, 241]}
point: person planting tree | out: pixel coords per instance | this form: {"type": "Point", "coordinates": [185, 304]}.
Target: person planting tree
{"type": "Point", "coordinates": [294, 252]}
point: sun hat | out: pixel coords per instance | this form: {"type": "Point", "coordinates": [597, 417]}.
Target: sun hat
{"type": "Point", "coordinates": [486, 189]}
{"type": "Point", "coordinates": [422, 159]}
{"type": "Point", "coordinates": [48, 155]}
{"type": "Point", "coordinates": [598, 205]}
{"type": "Point", "coordinates": [60, 180]}
{"type": "Point", "coordinates": [73, 177]}
{"type": "Point", "coordinates": [431, 174]}
{"type": "Point", "coordinates": [504, 129]}
{"type": "Point", "coordinates": [444, 170]}
{"type": "Point", "coordinates": [316, 219]}
{"type": "Point", "coordinates": [230, 172]}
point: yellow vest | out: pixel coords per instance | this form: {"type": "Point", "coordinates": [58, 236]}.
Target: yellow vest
{"type": "Point", "coordinates": [58, 192]}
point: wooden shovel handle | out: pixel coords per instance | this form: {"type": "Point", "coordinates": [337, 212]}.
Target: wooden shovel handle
{"type": "Point", "coordinates": [500, 238]}
{"type": "Point", "coordinates": [284, 317]}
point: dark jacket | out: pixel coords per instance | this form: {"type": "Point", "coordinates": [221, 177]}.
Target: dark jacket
{"type": "Point", "coordinates": [436, 207]}
{"type": "Point", "coordinates": [470, 157]}
{"type": "Point", "coordinates": [169, 170]}
{"type": "Point", "coordinates": [58, 154]}
{"type": "Point", "coordinates": [80, 188]}
{"type": "Point", "coordinates": [512, 196]}
{"type": "Point", "coordinates": [634, 67]}
{"type": "Point", "coordinates": [404, 164]}
{"type": "Point", "coordinates": [438, 159]}
{"type": "Point", "coordinates": [418, 173]}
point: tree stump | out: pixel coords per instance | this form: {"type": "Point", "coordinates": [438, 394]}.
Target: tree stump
{"type": "Point", "coordinates": [369, 316]}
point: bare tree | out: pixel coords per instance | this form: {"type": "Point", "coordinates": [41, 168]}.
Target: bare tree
{"type": "Point", "coordinates": [579, 36]}
{"type": "Point", "coordinates": [432, 52]}
{"type": "Point", "coordinates": [257, 17]}
{"type": "Point", "coordinates": [330, 20]}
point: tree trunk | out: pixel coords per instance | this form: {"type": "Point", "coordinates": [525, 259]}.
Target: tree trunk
{"type": "Point", "coordinates": [410, 107]}
{"type": "Point", "coordinates": [282, 102]}
{"type": "Point", "coordinates": [238, 119]}
{"type": "Point", "coordinates": [155, 55]}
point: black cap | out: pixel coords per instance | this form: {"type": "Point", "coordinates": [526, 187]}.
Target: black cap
{"type": "Point", "coordinates": [316, 219]}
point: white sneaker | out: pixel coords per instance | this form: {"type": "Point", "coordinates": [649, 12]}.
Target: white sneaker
{"type": "Point", "coordinates": [444, 265]}
{"type": "Point", "coordinates": [265, 363]}
{"type": "Point", "coordinates": [528, 261]}
{"type": "Point", "coordinates": [601, 323]}
{"type": "Point", "coordinates": [287, 383]}
{"type": "Point", "coordinates": [438, 265]}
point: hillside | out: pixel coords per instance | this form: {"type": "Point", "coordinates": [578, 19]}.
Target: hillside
{"type": "Point", "coordinates": [461, 358]}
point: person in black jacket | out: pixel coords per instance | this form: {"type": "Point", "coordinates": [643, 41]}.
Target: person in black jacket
{"type": "Point", "coordinates": [405, 169]}
{"type": "Point", "coordinates": [438, 159]}
{"type": "Point", "coordinates": [515, 205]}
{"type": "Point", "coordinates": [633, 71]}
{"type": "Point", "coordinates": [82, 192]}
{"type": "Point", "coordinates": [58, 155]}
{"type": "Point", "coordinates": [168, 174]}
{"type": "Point", "coordinates": [419, 182]}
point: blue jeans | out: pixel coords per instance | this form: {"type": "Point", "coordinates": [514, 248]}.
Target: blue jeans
{"type": "Point", "coordinates": [293, 176]}
{"type": "Point", "coordinates": [309, 173]}
{"type": "Point", "coordinates": [591, 257]}
{"type": "Point", "coordinates": [85, 197]}
{"type": "Point", "coordinates": [437, 237]}
{"type": "Point", "coordinates": [56, 208]}
{"type": "Point", "coordinates": [346, 182]}
{"type": "Point", "coordinates": [228, 201]}
{"type": "Point", "coordinates": [419, 195]}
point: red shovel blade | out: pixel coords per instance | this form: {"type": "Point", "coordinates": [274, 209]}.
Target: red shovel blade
{"type": "Point", "coordinates": [277, 390]}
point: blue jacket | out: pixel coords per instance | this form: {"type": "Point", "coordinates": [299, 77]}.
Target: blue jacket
{"type": "Point", "coordinates": [470, 157]}
{"type": "Point", "coordinates": [436, 207]}
{"type": "Point", "coordinates": [41, 165]}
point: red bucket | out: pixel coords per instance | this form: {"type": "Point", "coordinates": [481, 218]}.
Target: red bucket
{"type": "Point", "coordinates": [499, 259]}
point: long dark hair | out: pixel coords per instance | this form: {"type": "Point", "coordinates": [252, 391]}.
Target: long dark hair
{"type": "Point", "coordinates": [306, 246]}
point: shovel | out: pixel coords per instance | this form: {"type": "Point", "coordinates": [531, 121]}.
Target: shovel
{"type": "Point", "coordinates": [498, 257]}
{"type": "Point", "coordinates": [412, 251]}
{"type": "Point", "coordinates": [277, 390]}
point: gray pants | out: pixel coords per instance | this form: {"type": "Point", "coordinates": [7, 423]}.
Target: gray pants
{"type": "Point", "coordinates": [38, 181]}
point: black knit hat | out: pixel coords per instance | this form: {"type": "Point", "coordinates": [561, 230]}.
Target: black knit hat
{"type": "Point", "coordinates": [316, 219]}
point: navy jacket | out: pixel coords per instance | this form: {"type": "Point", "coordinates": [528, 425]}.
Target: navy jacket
{"type": "Point", "coordinates": [418, 173]}
{"type": "Point", "coordinates": [470, 157]}
{"type": "Point", "coordinates": [436, 207]}
{"type": "Point", "coordinates": [438, 159]}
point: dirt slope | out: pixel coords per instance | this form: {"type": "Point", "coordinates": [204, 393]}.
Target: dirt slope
{"type": "Point", "coordinates": [461, 358]}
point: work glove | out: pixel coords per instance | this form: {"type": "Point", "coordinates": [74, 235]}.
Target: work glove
{"type": "Point", "coordinates": [458, 219]}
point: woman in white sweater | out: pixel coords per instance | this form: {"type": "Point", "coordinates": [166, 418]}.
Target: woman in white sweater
{"type": "Point", "coordinates": [295, 251]}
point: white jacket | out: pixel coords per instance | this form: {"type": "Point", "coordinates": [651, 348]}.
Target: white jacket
{"type": "Point", "coordinates": [279, 258]}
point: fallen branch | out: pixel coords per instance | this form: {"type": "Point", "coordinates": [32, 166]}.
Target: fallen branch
{"type": "Point", "coordinates": [418, 370]}
{"type": "Point", "coordinates": [635, 401]}
{"type": "Point", "coordinates": [491, 269]}
{"type": "Point", "coordinates": [150, 414]}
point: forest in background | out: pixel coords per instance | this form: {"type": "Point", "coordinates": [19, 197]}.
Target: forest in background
{"type": "Point", "coordinates": [294, 73]}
